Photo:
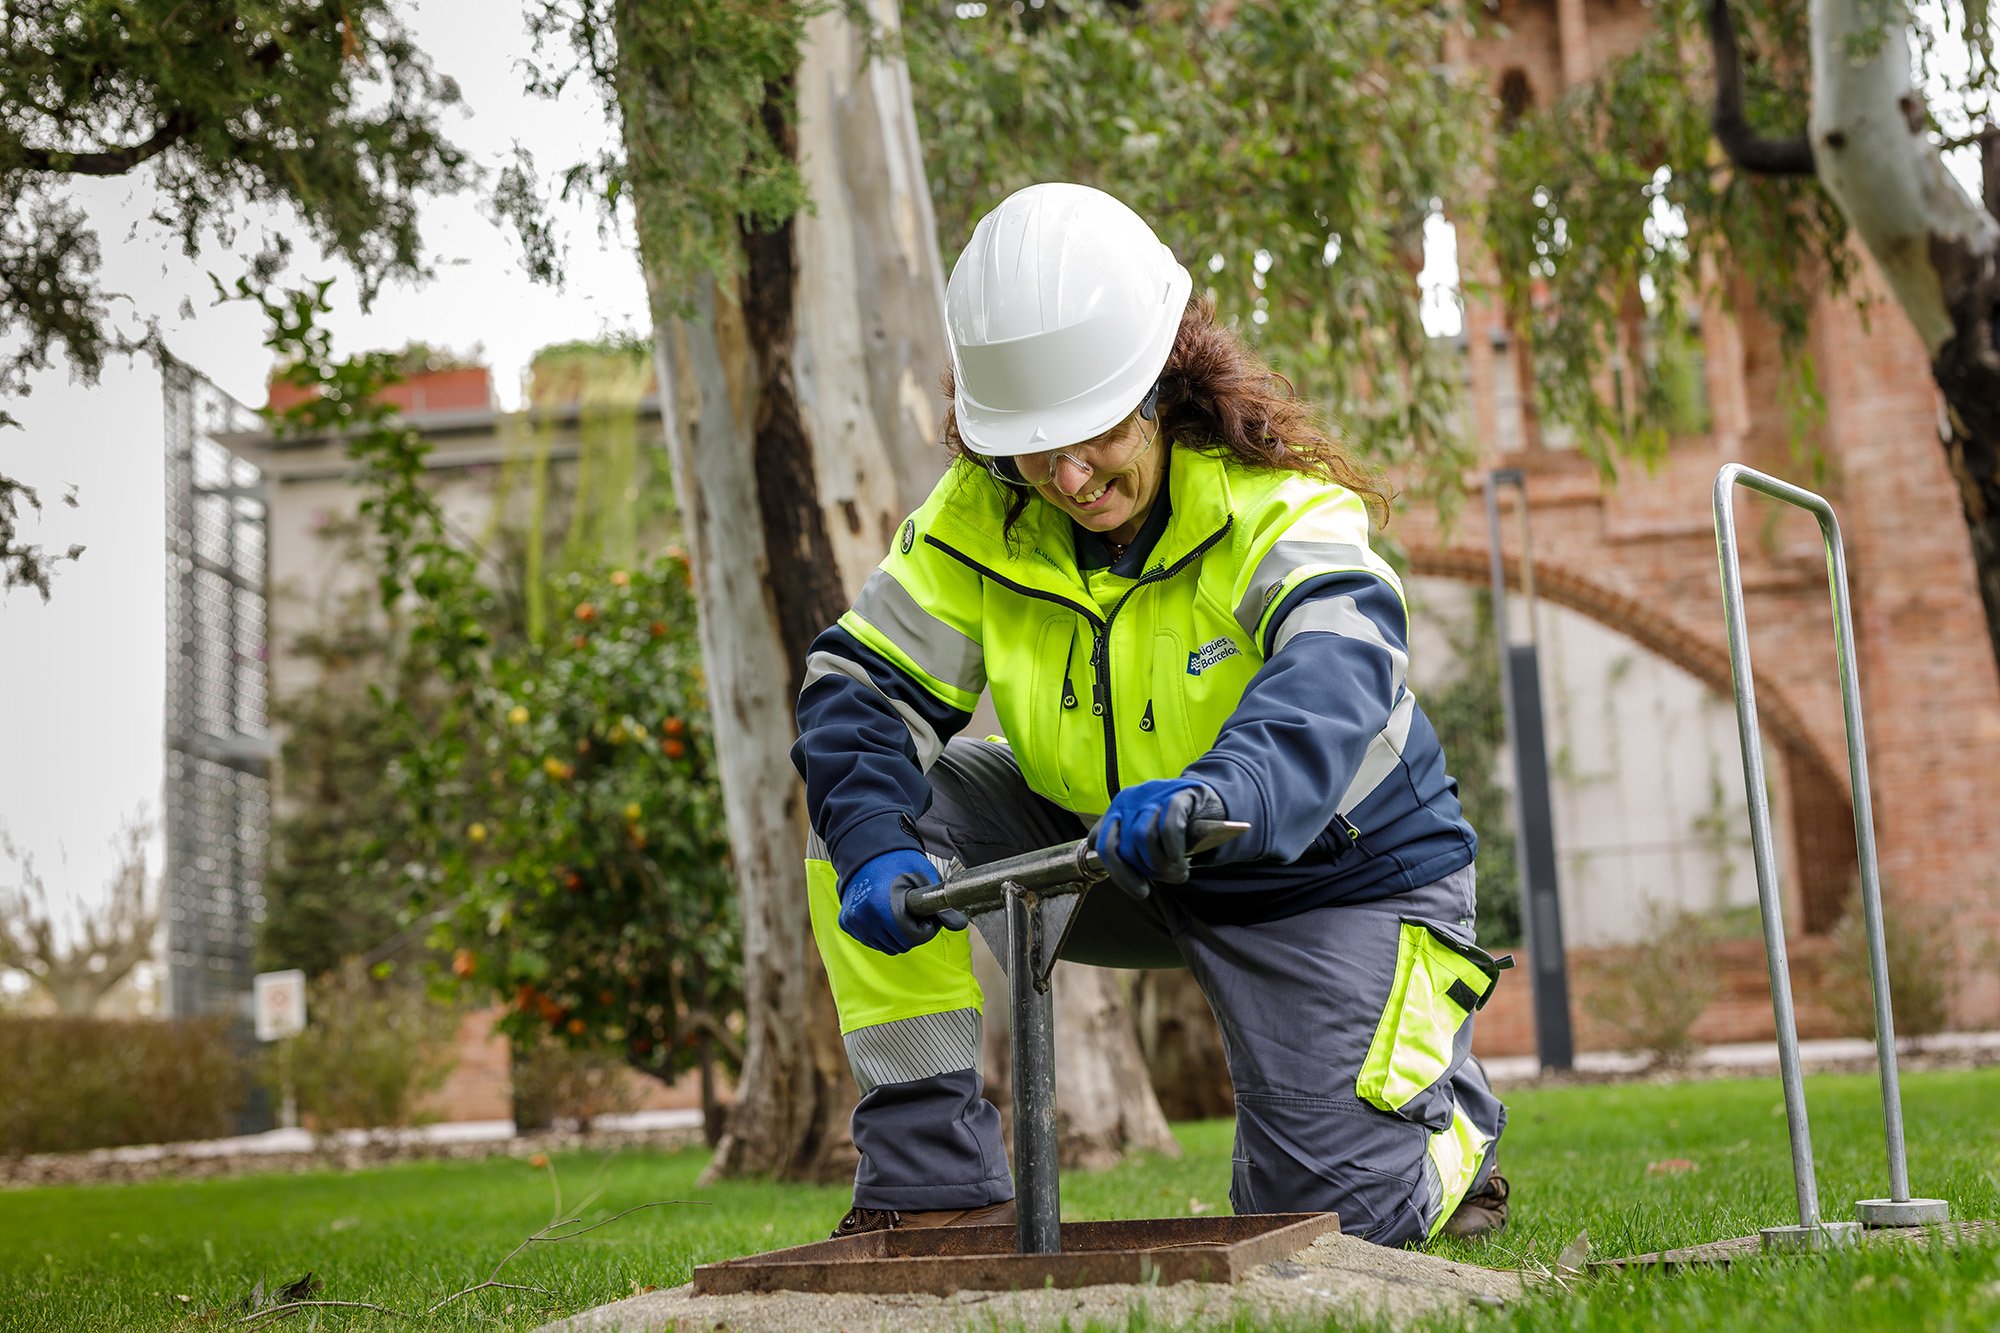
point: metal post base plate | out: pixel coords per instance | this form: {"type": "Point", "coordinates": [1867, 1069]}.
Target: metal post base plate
{"type": "Point", "coordinates": [1901, 1212]}
{"type": "Point", "coordinates": [1825, 1236]}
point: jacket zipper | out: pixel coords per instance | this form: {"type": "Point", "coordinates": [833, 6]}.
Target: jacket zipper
{"type": "Point", "coordinates": [1101, 650]}
{"type": "Point", "coordinates": [1100, 630]}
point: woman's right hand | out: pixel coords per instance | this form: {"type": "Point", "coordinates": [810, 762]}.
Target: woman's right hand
{"type": "Point", "coordinates": [1144, 835]}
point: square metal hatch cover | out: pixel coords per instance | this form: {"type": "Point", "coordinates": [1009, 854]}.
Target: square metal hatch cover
{"type": "Point", "coordinates": [941, 1260]}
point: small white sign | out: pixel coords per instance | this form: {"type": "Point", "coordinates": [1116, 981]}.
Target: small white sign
{"type": "Point", "coordinates": [280, 1004]}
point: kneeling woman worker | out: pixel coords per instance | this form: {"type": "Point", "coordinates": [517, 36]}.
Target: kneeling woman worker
{"type": "Point", "coordinates": [1159, 565]}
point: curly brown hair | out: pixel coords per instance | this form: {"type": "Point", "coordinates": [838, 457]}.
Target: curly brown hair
{"type": "Point", "coordinates": [1218, 397]}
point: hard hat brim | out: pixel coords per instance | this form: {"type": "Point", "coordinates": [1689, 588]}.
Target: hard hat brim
{"type": "Point", "coordinates": [998, 432]}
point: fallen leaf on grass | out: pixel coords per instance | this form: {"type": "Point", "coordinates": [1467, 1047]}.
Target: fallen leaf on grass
{"type": "Point", "coordinates": [1196, 1207]}
{"type": "Point", "coordinates": [298, 1291]}
{"type": "Point", "coordinates": [1575, 1256]}
{"type": "Point", "coordinates": [540, 1159]}
{"type": "Point", "coordinates": [1672, 1166]}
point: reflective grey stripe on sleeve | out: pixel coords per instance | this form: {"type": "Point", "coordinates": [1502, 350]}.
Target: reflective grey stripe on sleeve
{"type": "Point", "coordinates": [948, 655]}
{"type": "Point", "coordinates": [1340, 615]}
{"type": "Point", "coordinates": [1278, 564]}
{"type": "Point", "coordinates": [928, 746]}
{"type": "Point", "coordinates": [1384, 756]}
{"type": "Point", "coordinates": [913, 1048]}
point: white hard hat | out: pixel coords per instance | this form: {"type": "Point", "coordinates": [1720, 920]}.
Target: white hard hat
{"type": "Point", "coordinates": [1061, 312]}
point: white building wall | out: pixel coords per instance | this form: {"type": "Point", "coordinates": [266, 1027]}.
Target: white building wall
{"type": "Point", "coordinates": [1645, 764]}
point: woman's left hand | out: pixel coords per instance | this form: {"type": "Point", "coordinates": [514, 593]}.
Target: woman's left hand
{"type": "Point", "coordinates": [1144, 835]}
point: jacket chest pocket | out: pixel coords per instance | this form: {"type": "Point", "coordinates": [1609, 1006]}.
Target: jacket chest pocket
{"type": "Point", "coordinates": [1061, 726]}
{"type": "Point", "coordinates": [1165, 717]}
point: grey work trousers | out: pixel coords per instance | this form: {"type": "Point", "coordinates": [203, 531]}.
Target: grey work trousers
{"type": "Point", "coordinates": [1298, 1001]}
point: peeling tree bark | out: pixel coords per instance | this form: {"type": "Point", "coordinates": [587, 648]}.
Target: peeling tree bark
{"type": "Point", "coordinates": [801, 418]}
{"type": "Point", "coordinates": [1105, 1102]}
{"type": "Point", "coordinates": [1937, 248]}
{"type": "Point", "coordinates": [725, 422]}
{"type": "Point", "coordinates": [1183, 1047]}
{"type": "Point", "coordinates": [801, 426]}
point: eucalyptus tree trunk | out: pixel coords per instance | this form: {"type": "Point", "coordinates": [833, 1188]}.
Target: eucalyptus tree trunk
{"type": "Point", "coordinates": [801, 427]}
{"type": "Point", "coordinates": [1106, 1104]}
{"type": "Point", "coordinates": [801, 421]}
{"type": "Point", "coordinates": [1938, 249]}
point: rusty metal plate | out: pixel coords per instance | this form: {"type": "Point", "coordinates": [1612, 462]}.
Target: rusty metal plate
{"type": "Point", "coordinates": [941, 1260]}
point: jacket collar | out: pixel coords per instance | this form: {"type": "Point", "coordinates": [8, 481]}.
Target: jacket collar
{"type": "Point", "coordinates": [1042, 551]}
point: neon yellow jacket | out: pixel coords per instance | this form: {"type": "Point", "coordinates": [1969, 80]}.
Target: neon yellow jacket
{"type": "Point", "coordinates": [1256, 644]}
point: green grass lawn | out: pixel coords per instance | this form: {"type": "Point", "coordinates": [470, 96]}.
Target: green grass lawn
{"type": "Point", "coordinates": [122, 1257]}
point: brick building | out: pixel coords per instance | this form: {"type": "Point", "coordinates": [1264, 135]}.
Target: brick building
{"type": "Point", "coordinates": [1639, 558]}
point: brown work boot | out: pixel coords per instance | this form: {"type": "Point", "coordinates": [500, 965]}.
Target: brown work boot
{"type": "Point", "coordinates": [861, 1220]}
{"type": "Point", "coordinates": [1482, 1214]}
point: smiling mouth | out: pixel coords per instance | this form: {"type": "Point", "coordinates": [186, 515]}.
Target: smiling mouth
{"type": "Point", "coordinates": [1094, 496]}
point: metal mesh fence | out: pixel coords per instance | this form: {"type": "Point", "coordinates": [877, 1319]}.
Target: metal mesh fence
{"type": "Point", "coordinates": [218, 747]}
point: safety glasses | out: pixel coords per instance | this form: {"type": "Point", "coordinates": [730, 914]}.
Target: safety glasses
{"type": "Point", "coordinates": [1030, 470]}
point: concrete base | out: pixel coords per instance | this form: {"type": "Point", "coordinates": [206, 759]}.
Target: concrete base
{"type": "Point", "coordinates": [1723, 1253]}
{"type": "Point", "coordinates": [1337, 1282]}
{"type": "Point", "coordinates": [1901, 1212]}
{"type": "Point", "coordinates": [1825, 1236]}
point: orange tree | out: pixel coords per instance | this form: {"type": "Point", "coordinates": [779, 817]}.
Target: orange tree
{"type": "Point", "coordinates": [594, 850]}
{"type": "Point", "coordinates": [559, 792]}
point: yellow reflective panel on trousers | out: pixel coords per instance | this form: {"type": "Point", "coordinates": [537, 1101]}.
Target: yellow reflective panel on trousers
{"type": "Point", "coordinates": [1438, 984]}
{"type": "Point", "coordinates": [1456, 1153]}
{"type": "Point", "coordinates": [871, 987]}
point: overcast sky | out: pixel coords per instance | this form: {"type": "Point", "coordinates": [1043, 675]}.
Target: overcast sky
{"type": "Point", "coordinates": [81, 678]}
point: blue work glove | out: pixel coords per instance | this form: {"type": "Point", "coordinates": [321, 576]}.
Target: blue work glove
{"type": "Point", "coordinates": [1144, 835]}
{"type": "Point", "coordinates": [871, 903]}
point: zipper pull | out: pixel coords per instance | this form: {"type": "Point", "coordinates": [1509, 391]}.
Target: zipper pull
{"type": "Point", "coordinates": [1069, 690]}
{"type": "Point", "coordinates": [1146, 722]}
{"type": "Point", "coordinates": [1100, 653]}
{"type": "Point", "coordinates": [1353, 833]}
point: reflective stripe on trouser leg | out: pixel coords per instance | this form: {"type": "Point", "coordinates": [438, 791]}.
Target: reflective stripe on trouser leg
{"type": "Point", "coordinates": [911, 1024]}
{"type": "Point", "coordinates": [1453, 1160]}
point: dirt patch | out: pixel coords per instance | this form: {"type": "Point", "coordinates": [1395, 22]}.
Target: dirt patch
{"type": "Point", "coordinates": [110, 1166]}
{"type": "Point", "coordinates": [1337, 1274]}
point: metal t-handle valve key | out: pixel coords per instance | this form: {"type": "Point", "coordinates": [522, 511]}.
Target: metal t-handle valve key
{"type": "Point", "coordinates": [1024, 907]}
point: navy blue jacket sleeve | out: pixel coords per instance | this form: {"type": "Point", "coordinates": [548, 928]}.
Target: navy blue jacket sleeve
{"type": "Point", "coordinates": [866, 735]}
{"type": "Point", "coordinates": [1334, 671]}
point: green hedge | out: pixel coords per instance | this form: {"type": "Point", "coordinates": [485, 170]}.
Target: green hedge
{"type": "Point", "coordinates": [70, 1083]}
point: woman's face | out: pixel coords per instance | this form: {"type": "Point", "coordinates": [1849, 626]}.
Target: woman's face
{"type": "Point", "coordinates": [1108, 484]}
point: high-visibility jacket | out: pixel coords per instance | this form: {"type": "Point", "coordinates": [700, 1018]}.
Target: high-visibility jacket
{"type": "Point", "coordinates": [1248, 638]}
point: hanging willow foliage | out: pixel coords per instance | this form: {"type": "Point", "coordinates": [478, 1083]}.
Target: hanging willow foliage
{"type": "Point", "coordinates": [1289, 151]}
{"type": "Point", "coordinates": [702, 90]}
{"type": "Point", "coordinates": [1613, 205]}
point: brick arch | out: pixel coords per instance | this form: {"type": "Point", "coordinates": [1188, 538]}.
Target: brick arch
{"type": "Point", "coordinates": [1698, 655]}
{"type": "Point", "coordinates": [1821, 809]}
